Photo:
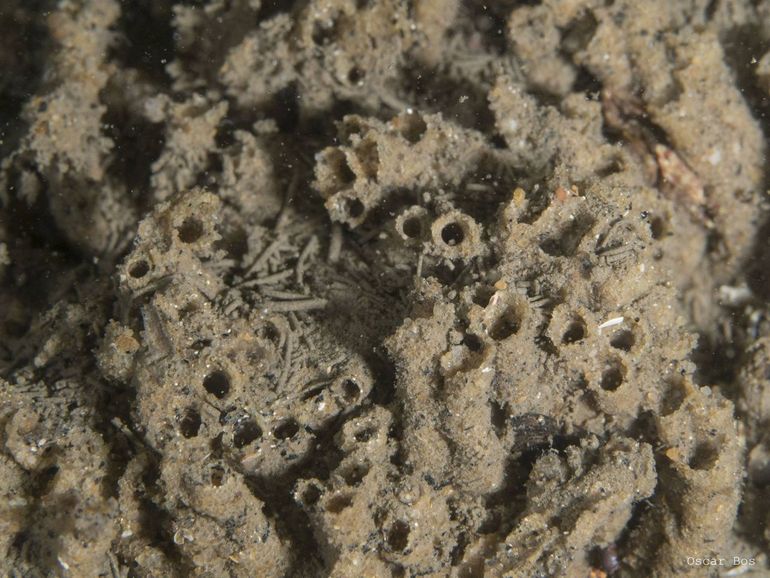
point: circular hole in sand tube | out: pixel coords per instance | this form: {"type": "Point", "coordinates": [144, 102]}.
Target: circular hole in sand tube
{"type": "Point", "coordinates": [350, 390]}
{"type": "Point", "coordinates": [412, 227]}
{"type": "Point", "coordinates": [398, 536]}
{"type": "Point", "coordinates": [354, 208]}
{"type": "Point", "coordinates": [45, 478]}
{"type": "Point", "coordinates": [704, 457]}
{"type": "Point", "coordinates": [505, 325]}
{"type": "Point", "coordinates": [473, 342]}
{"type": "Point", "coordinates": [452, 234]}
{"type": "Point", "coordinates": [483, 295]}
{"type": "Point", "coordinates": [412, 127]}
{"type": "Point", "coordinates": [657, 228]}
{"type": "Point", "coordinates": [350, 126]}
{"type": "Point", "coordinates": [675, 392]}
{"type": "Point", "coordinates": [338, 503]}
{"type": "Point", "coordinates": [344, 173]}
{"type": "Point", "coordinates": [139, 269]}
{"type": "Point", "coordinates": [574, 333]}
{"type": "Point", "coordinates": [245, 433]}
{"type": "Point", "coordinates": [355, 75]}
{"type": "Point", "coordinates": [623, 340]}
{"type": "Point", "coordinates": [217, 383]}
{"type": "Point", "coordinates": [355, 475]}
{"type": "Point", "coordinates": [217, 476]}
{"type": "Point", "coordinates": [339, 168]}
{"type": "Point", "coordinates": [365, 435]}
{"type": "Point", "coordinates": [190, 424]}
{"type": "Point", "coordinates": [323, 32]}
{"type": "Point", "coordinates": [185, 311]}
{"type": "Point", "coordinates": [310, 495]}
{"type": "Point", "coordinates": [287, 429]}
{"type": "Point", "coordinates": [612, 379]}
{"type": "Point", "coordinates": [271, 333]}
{"type": "Point", "coordinates": [190, 230]}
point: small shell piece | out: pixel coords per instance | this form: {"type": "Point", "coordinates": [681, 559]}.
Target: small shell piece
{"type": "Point", "coordinates": [611, 323]}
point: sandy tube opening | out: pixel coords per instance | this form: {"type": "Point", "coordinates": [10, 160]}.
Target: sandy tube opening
{"type": "Point", "coordinates": [287, 429]}
{"type": "Point", "coordinates": [139, 268]}
{"type": "Point", "coordinates": [575, 331]}
{"type": "Point", "coordinates": [613, 375]}
{"type": "Point", "coordinates": [411, 126]}
{"type": "Point", "coordinates": [347, 207]}
{"type": "Point", "coordinates": [452, 234]}
{"type": "Point", "coordinates": [412, 225]}
{"type": "Point", "coordinates": [505, 324]}
{"type": "Point", "coordinates": [190, 230]}
{"type": "Point", "coordinates": [333, 171]}
{"type": "Point", "coordinates": [456, 234]}
{"type": "Point", "coordinates": [190, 424]}
{"type": "Point", "coordinates": [217, 383]}
{"type": "Point", "coordinates": [353, 207]}
{"type": "Point", "coordinates": [246, 432]}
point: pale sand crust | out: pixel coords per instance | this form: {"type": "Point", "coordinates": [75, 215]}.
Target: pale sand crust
{"type": "Point", "coordinates": [381, 288]}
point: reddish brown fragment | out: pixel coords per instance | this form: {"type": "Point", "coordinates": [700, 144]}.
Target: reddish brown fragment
{"type": "Point", "coordinates": [561, 194]}
{"type": "Point", "coordinates": [625, 114]}
{"type": "Point", "coordinates": [680, 180]}
{"type": "Point", "coordinates": [680, 183]}
{"type": "Point", "coordinates": [618, 109]}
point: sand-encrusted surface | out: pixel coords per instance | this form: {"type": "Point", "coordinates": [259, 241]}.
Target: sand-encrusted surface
{"type": "Point", "coordinates": [384, 288]}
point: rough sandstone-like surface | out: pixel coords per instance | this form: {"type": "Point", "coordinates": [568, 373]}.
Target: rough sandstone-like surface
{"type": "Point", "coordinates": [385, 289]}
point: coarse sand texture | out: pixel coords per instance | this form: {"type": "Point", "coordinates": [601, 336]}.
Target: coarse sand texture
{"type": "Point", "coordinates": [384, 288]}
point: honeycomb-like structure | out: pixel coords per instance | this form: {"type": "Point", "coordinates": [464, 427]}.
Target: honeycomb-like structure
{"type": "Point", "coordinates": [381, 288]}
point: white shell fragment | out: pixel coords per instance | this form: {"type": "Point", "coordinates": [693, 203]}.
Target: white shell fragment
{"type": "Point", "coordinates": [611, 323]}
